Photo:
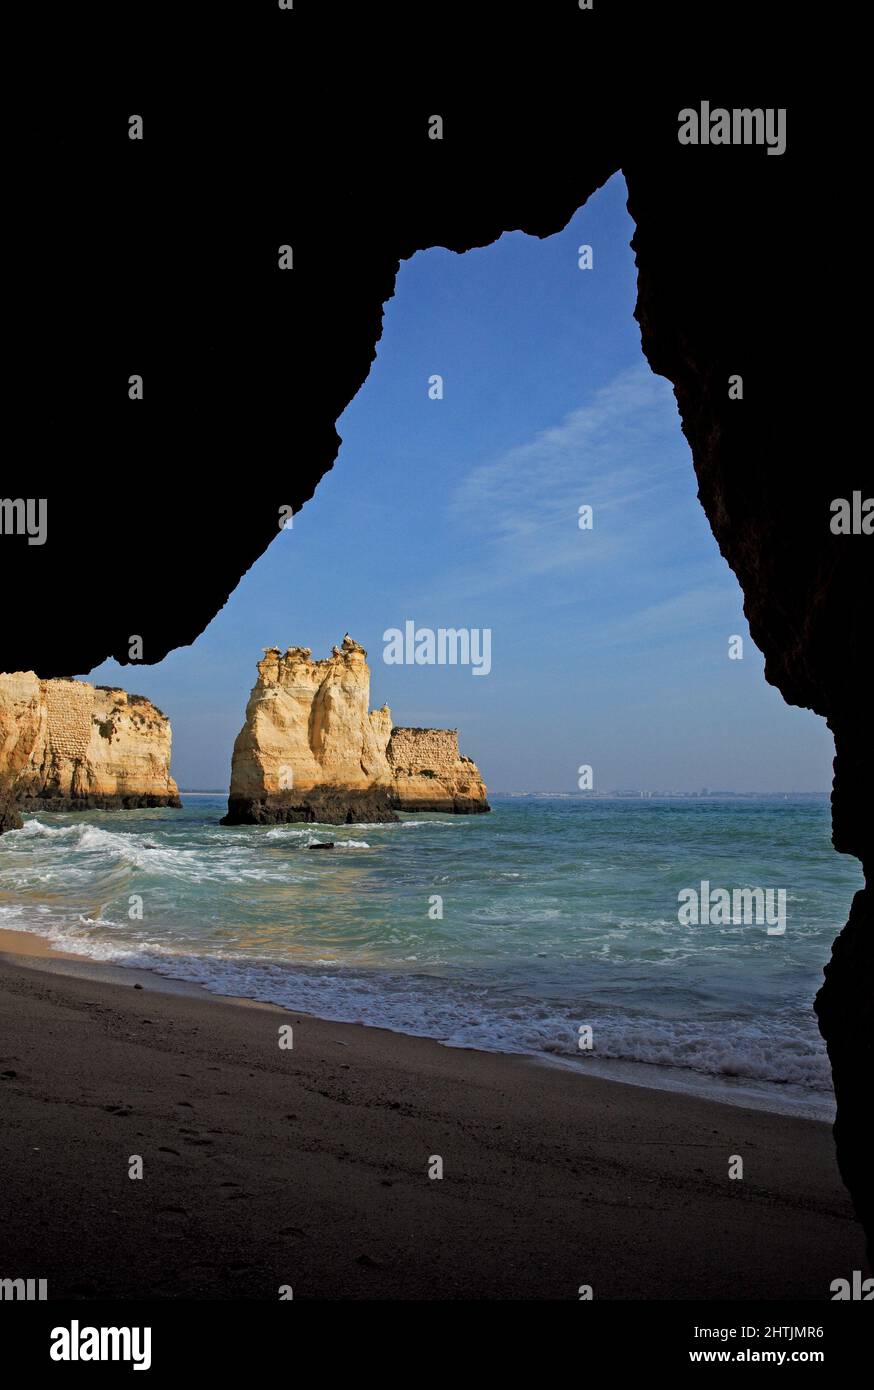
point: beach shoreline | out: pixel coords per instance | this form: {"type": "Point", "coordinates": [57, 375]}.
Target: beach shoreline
{"type": "Point", "coordinates": [543, 930]}
{"type": "Point", "coordinates": [33, 947]}
{"type": "Point", "coordinates": [309, 1166]}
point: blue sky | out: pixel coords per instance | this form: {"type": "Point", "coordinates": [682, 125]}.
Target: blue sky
{"type": "Point", "coordinates": [609, 645]}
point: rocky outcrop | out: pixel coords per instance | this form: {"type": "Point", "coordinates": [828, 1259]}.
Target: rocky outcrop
{"type": "Point", "coordinates": [430, 774]}
{"type": "Point", "coordinates": [311, 749]}
{"type": "Point", "coordinates": [10, 816]}
{"type": "Point", "coordinates": [66, 745]}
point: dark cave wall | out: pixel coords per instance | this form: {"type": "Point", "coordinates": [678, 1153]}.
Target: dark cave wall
{"type": "Point", "coordinates": [718, 294]}
{"type": "Point", "coordinates": [247, 370]}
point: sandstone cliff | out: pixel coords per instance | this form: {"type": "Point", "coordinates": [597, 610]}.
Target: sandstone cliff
{"type": "Point", "coordinates": [430, 774]}
{"type": "Point", "coordinates": [66, 745]}
{"type": "Point", "coordinates": [311, 749]}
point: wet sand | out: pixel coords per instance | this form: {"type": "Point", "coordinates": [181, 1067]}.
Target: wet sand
{"type": "Point", "coordinates": [309, 1166]}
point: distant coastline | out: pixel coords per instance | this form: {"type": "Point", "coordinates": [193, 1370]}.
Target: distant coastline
{"type": "Point", "coordinates": [645, 795]}
{"type": "Point", "coordinates": [624, 794]}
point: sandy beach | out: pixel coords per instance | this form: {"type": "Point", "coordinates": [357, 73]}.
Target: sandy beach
{"type": "Point", "coordinates": [309, 1166]}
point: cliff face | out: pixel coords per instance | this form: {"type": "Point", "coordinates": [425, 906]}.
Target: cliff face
{"type": "Point", "coordinates": [312, 750]}
{"type": "Point", "coordinates": [431, 775]}
{"type": "Point", "coordinates": [69, 746]}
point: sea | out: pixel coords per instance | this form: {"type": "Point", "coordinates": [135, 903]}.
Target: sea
{"type": "Point", "coordinates": [549, 928]}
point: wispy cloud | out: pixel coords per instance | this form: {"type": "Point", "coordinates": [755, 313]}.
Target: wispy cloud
{"type": "Point", "coordinates": [620, 454]}
{"type": "Point", "coordinates": [685, 612]}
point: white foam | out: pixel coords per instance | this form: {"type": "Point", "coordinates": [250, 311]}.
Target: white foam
{"type": "Point", "coordinates": [783, 1055]}
{"type": "Point", "coordinates": [36, 828]}
{"type": "Point", "coordinates": [202, 885]}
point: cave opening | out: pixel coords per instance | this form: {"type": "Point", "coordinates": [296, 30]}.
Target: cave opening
{"type": "Point", "coordinates": [513, 500]}
{"type": "Point", "coordinates": [513, 467]}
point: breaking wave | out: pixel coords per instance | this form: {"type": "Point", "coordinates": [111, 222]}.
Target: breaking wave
{"type": "Point", "coordinates": [503, 933]}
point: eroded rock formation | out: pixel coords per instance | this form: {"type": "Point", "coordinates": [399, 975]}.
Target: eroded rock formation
{"type": "Point", "coordinates": [311, 749]}
{"type": "Point", "coordinates": [66, 745]}
{"type": "Point", "coordinates": [431, 775]}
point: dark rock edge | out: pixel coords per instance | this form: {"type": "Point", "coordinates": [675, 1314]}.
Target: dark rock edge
{"type": "Point", "coordinates": [336, 807]}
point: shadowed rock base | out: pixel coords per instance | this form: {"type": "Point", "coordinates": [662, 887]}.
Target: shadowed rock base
{"type": "Point", "coordinates": [126, 802]}
{"type": "Point", "coordinates": [844, 1008]}
{"type": "Point", "coordinates": [325, 807]}
{"type": "Point", "coordinates": [9, 816]}
{"type": "Point", "coordinates": [337, 807]}
{"type": "Point", "coordinates": [455, 806]}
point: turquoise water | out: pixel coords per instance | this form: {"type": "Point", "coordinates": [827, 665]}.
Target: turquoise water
{"type": "Point", "coordinates": [556, 914]}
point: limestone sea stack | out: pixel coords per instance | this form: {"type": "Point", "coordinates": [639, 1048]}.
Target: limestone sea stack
{"type": "Point", "coordinates": [429, 773]}
{"type": "Point", "coordinates": [311, 749]}
{"type": "Point", "coordinates": [66, 745]}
